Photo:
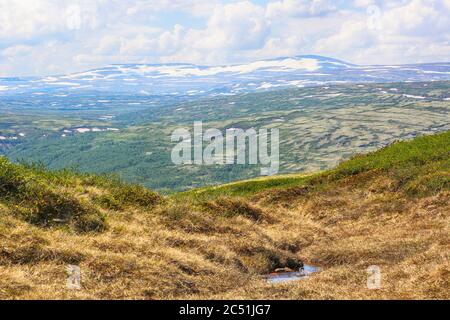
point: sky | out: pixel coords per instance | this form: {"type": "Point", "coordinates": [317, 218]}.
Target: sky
{"type": "Point", "coordinates": [43, 37]}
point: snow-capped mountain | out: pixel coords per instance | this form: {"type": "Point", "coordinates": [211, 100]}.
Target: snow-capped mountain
{"type": "Point", "coordinates": [188, 79]}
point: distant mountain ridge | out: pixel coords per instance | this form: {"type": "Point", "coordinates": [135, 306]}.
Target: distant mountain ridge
{"type": "Point", "coordinates": [193, 80]}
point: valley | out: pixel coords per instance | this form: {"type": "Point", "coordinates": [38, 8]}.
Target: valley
{"type": "Point", "coordinates": [129, 135]}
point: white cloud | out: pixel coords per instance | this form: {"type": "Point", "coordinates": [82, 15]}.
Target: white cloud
{"type": "Point", "coordinates": [300, 8]}
{"type": "Point", "coordinates": [418, 18]}
{"type": "Point", "coordinates": [353, 34]}
{"type": "Point", "coordinates": [197, 7]}
{"type": "Point", "coordinates": [35, 19]}
{"type": "Point", "coordinates": [16, 51]}
{"type": "Point", "coordinates": [143, 44]}
{"type": "Point", "coordinates": [48, 36]}
{"type": "Point", "coordinates": [363, 3]}
{"type": "Point", "coordinates": [230, 28]}
{"type": "Point", "coordinates": [239, 26]}
{"type": "Point", "coordinates": [410, 31]}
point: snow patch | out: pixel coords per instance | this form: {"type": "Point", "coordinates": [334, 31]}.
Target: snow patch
{"type": "Point", "coordinates": [270, 65]}
{"type": "Point", "coordinates": [413, 96]}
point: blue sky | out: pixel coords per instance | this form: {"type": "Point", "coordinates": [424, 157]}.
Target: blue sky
{"type": "Point", "coordinates": [41, 37]}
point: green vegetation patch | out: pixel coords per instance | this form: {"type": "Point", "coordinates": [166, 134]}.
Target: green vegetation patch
{"type": "Point", "coordinates": [420, 167]}
{"type": "Point", "coordinates": [121, 195]}
{"type": "Point", "coordinates": [34, 198]}
{"type": "Point", "coordinates": [53, 198]}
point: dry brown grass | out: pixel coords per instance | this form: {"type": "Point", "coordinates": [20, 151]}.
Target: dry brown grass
{"type": "Point", "coordinates": [220, 248]}
{"type": "Point", "coordinates": [182, 251]}
{"type": "Point", "coordinates": [408, 238]}
{"type": "Point", "coordinates": [172, 251]}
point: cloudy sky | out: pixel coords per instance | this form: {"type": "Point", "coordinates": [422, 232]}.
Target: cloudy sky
{"type": "Point", "coordinates": [41, 37]}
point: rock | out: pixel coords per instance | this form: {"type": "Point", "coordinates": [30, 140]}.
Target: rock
{"type": "Point", "coordinates": [294, 264]}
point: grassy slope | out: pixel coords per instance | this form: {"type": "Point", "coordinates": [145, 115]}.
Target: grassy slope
{"type": "Point", "coordinates": [414, 163]}
{"type": "Point", "coordinates": [390, 208]}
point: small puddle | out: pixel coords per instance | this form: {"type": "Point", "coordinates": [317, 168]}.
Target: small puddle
{"type": "Point", "coordinates": [281, 277]}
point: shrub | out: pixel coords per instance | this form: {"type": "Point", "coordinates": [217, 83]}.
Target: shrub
{"type": "Point", "coordinates": [120, 195]}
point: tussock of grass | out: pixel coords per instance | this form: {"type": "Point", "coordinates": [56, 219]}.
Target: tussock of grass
{"type": "Point", "coordinates": [121, 195]}
{"type": "Point", "coordinates": [232, 207]}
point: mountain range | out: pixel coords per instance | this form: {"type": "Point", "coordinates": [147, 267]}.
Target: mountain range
{"type": "Point", "coordinates": [193, 80]}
